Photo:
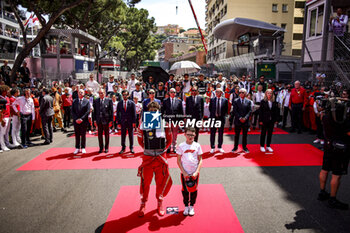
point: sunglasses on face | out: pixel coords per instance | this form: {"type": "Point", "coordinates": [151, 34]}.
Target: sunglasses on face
{"type": "Point", "coordinates": [241, 92]}
{"type": "Point", "coordinates": [190, 135]}
{"type": "Point", "coordinates": [152, 93]}
{"type": "Point", "coordinates": [172, 92]}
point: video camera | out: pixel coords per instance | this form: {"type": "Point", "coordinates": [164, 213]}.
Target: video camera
{"type": "Point", "coordinates": [338, 108]}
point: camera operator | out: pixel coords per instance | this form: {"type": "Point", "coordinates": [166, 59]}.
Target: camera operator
{"type": "Point", "coordinates": [336, 124]}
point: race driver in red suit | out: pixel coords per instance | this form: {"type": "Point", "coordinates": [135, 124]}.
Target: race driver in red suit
{"type": "Point", "coordinates": [155, 143]}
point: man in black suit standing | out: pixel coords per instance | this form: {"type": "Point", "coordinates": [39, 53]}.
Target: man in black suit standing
{"type": "Point", "coordinates": [218, 109]}
{"type": "Point", "coordinates": [80, 113]}
{"type": "Point", "coordinates": [126, 117]}
{"type": "Point", "coordinates": [241, 109]}
{"type": "Point", "coordinates": [103, 115]}
{"type": "Point", "coordinates": [172, 110]}
{"type": "Point", "coordinates": [46, 112]}
{"type": "Point", "coordinates": [195, 108]}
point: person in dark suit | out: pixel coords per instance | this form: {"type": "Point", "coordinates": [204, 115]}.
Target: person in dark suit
{"type": "Point", "coordinates": [126, 117]}
{"type": "Point", "coordinates": [218, 109]}
{"type": "Point", "coordinates": [242, 109]}
{"type": "Point", "coordinates": [46, 112]}
{"type": "Point", "coordinates": [103, 115]}
{"type": "Point", "coordinates": [172, 110]}
{"type": "Point", "coordinates": [268, 116]}
{"type": "Point", "coordinates": [80, 112]}
{"type": "Point", "coordinates": [195, 108]}
{"type": "Point", "coordinates": [151, 95]}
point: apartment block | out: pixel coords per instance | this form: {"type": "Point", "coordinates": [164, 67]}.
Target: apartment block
{"type": "Point", "coordinates": [287, 14]}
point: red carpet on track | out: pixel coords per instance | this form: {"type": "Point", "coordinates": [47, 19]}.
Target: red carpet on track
{"type": "Point", "coordinates": [227, 132]}
{"type": "Point", "coordinates": [283, 155]}
{"type": "Point", "coordinates": [213, 212]}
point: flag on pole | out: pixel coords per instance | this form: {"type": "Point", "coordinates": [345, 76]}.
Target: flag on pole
{"type": "Point", "coordinates": [31, 21]}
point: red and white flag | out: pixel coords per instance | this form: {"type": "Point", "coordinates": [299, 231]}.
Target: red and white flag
{"type": "Point", "coordinates": [31, 21]}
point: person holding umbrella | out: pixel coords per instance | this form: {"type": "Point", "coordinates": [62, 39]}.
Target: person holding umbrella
{"type": "Point", "coordinates": [160, 93]}
{"type": "Point", "coordinates": [153, 75]}
{"type": "Point", "coordinates": [186, 84]}
{"type": "Point", "coordinates": [150, 84]}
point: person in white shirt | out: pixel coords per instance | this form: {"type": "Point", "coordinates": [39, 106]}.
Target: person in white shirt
{"type": "Point", "coordinates": [93, 84]}
{"type": "Point", "coordinates": [244, 84]}
{"type": "Point", "coordinates": [189, 160]}
{"type": "Point", "coordinates": [109, 86]}
{"type": "Point", "coordinates": [131, 83]}
{"type": "Point", "coordinates": [206, 112]}
{"type": "Point", "coordinates": [338, 23]}
{"type": "Point", "coordinates": [27, 115]}
{"type": "Point", "coordinates": [139, 93]}
{"type": "Point", "coordinates": [138, 107]}
{"type": "Point", "coordinates": [5, 119]}
{"type": "Point", "coordinates": [186, 84]}
{"type": "Point", "coordinates": [66, 85]}
{"type": "Point", "coordinates": [338, 26]}
{"type": "Point", "coordinates": [283, 99]}
{"type": "Point", "coordinates": [115, 123]}
{"type": "Point", "coordinates": [183, 108]}
{"type": "Point", "coordinates": [15, 118]}
{"type": "Point", "coordinates": [317, 106]}
{"type": "Point", "coordinates": [257, 98]}
{"type": "Point", "coordinates": [222, 81]}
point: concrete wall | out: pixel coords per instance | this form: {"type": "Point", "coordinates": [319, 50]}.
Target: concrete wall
{"type": "Point", "coordinates": [34, 65]}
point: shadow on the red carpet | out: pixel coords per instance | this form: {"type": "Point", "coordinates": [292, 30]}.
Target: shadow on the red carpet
{"type": "Point", "coordinates": [132, 221]}
{"type": "Point", "coordinates": [71, 156]}
{"type": "Point", "coordinates": [126, 155]}
{"type": "Point", "coordinates": [228, 155]}
{"type": "Point", "coordinates": [207, 155]}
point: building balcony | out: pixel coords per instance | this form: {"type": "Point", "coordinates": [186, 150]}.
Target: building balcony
{"type": "Point", "coordinates": [9, 16]}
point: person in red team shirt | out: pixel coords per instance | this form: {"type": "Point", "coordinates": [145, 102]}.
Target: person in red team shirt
{"type": "Point", "coordinates": [155, 143]}
{"type": "Point", "coordinates": [5, 123]}
{"type": "Point", "coordinates": [67, 102]}
{"type": "Point", "coordinates": [15, 116]}
{"type": "Point", "coordinates": [297, 103]}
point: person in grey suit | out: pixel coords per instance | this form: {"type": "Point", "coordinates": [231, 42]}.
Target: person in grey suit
{"type": "Point", "coordinates": [80, 113]}
{"type": "Point", "coordinates": [195, 108]}
{"type": "Point", "coordinates": [103, 115]}
{"type": "Point", "coordinates": [241, 109]}
{"type": "Point", "coordinates": [218, 109]}
{"type": "Point", "coordinates": [172, 110]}
{"type": "Point", "coordinates": [46, 112]}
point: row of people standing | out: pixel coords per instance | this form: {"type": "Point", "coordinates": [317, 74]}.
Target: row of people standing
{"type": "Point", "coordinates": [103, 113]}
{"type": "Point", "coordinates": [172, 106]}
{"type": "Point", "coordinates": [20, 113]}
